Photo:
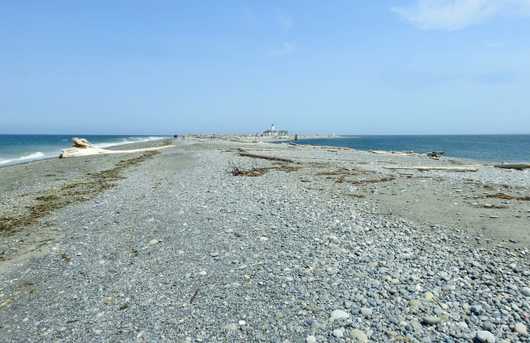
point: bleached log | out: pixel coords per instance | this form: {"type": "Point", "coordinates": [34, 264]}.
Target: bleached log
{"type": "Point", "coordinates": [80, 143]}
{"type": "Point", "coordinates": [393, 153]}
{"type": "Point", "coordinates": [440, 168]}
{"type": "Point", "coordinates": [90, 151]}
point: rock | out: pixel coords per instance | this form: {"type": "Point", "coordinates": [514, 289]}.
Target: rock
{"type": "Point", "coordinates": [358, 336]}
{"type": "Point", "coordinates": [484, 337]}
{"type": "Point", "coordinates": [311, 339]}
{"type": "Point", "coordinates": [476, 309]}
{"type": "Point", "coordinates": [526, 291]}
{"type": "Point", "coordinates": [431, 320]}
{"type": "Point", "coordinates": [429, 296]}
{"type": "Point", "coordinates": [339, 315]}
{"type": "Point", "coordinates": [521, 329]}
{"type": "Point", "coordinates": [367, 312]}
{"type": "Point", "coordinates": [108, 300]}
{"type": "Point", "coordinates": [154, 241]}
{"type": "Point", "coordinates": [231, 327]}
{"type": "Point", "coordinates": [339, 333]}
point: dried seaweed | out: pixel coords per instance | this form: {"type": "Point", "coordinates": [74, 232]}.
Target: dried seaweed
{"type": "Point", "coordinates": [505, 196]}
{"type": "Point", "coordinates": [71, 192]}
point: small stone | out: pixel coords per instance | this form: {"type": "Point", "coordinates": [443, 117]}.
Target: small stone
{"type": "Point", "coordinates": [462, 325]}
{"type": "Point", "coordinates": [231, 327]}
{"type": "Point", "coordinates": [154, 241]}
{"type": "Point", "coordinates": [526, 291]}
{"type": "Point", "coordinates": [476, 309]}
{"type": "Point", "coordinates": [107, 300]}
{"type": "Point", "coordinates": [202, 272]}
{"type": "Point", "coordinates": [339, 315]}
{"type": "Point", "coordinates": [429, 296]}
{"type": "Point", "coordinates": [339, 333]}
{"type": "Point", "coordinates": [311, 339]}
{"type": "Point", "coordinates": [358, 336]}
{"type": "Point", "coordinates": [367, 312]}
{"type": "Point", "coordinates": [415, 325]}
{"type": "Point", "coordinates": [242, 322]}
{"type": "Point", "coordinates": [521, 329]}
{"type": "Point", "coordinates": [431, 320]}
{"type": "Point", "coordinates": [484, 337]}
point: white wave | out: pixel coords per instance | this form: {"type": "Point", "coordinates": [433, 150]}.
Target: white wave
{"type": "Point", "coordinates": [33, 156]}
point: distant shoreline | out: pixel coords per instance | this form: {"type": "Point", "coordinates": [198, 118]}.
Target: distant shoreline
{"type": "Point", "coordinates": [25, 159]}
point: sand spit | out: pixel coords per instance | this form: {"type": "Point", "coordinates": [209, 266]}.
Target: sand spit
{"type": "Point", "coordinates": [202, 242]}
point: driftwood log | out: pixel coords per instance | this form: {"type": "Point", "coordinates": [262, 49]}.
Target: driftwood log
{"type": "Point", "coordinates": [393, 153]}
{"type": "Point", "coordinates": [81, 147]}
{"type": "Point", "coordinates": [426, 168]}
{"type": "Point", "coordinates": [264, 157]}
{"type": "Point", "coordinates": [80, 143]}
{"type": "Point", "coordinates": [516, 166]}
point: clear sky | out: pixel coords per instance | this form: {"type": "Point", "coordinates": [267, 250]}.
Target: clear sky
{"type": "Point", "coordinates": [344, 66]}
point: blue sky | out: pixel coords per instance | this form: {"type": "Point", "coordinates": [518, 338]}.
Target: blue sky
{"type": "Point", "coordinates": [357, 67]}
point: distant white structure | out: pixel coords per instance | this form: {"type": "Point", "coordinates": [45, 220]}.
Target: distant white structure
{"type": "Point", "coordinates": [272, 132]}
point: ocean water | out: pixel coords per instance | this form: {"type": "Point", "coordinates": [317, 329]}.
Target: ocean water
{"type": "Point", "coordinates": [23, 148]}
{"type": "Point", "coordinates": [492, 148]}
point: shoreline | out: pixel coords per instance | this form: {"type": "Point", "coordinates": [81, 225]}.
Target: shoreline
{"type": "Point", "coordinates": [110, 146]}
{"type": "Point", "coordinates": [330, 241]}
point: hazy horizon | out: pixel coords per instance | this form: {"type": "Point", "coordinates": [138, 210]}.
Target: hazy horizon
{"type": "Point", "coordinates": [386, 67]}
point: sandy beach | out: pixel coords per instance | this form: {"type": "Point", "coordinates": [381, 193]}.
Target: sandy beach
{"type": "Point", "coordinates": [321, 245]}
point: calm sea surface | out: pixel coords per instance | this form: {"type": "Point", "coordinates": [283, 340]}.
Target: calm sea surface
{"type": "Point", "coordinates": [495, 148]}
{"type": "Point", "coordinates": [23, 148]}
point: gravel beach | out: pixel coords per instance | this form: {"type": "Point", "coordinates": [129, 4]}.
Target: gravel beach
{"type": "Point", "coordinates": [323, 245]}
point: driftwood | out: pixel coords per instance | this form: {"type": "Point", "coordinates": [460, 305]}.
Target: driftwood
{"type": "Point", "coordinates": [263, 157]}
{"type": "Point", "coordinates": [393, 153]}
{"type": "Point", "coordinates": [435, 155]}
{"type": "Point", "coordinates": [80, 143]}
{"type": "Point", "coordinates": [516, 166]}
{"type": "Point", "coordinates": [425, 168]}
{"type": "Point", "coordinates": [83, 148]}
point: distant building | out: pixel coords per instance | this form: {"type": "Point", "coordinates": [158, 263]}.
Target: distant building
{"type": "Point", "coordinates": [272, 132]}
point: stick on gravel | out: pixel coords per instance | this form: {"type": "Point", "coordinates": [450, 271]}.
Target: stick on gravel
{"type": "Point", "coordinates": [263, 157]}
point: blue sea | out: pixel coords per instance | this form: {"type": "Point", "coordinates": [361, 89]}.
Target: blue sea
{"type": "Point", "coordinates": [24, 148]}
{"type": "Point", "coordinates": [492, 148]}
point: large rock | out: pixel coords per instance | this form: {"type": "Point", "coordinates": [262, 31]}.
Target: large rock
{"type": "Point", "coordinates": [485, 337]}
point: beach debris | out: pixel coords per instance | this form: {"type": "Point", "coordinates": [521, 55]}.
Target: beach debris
{"type": "Point", "coordinates": [253, 172]}
{"type": "Point", "coordinates": [494, 206]}
{"type": "Point", "coordinates": [393, 153]}
{"type": "Point", "coordinates": [504, 196]}
{"type": "Point", "coordinates": [80, 143]}
{"type": "Point", "coordinates": [82, 147]}
{"type": "Point", "coordinates": [435, 155]}
{"type": "Point", "coordinates": [194, 295]}
{"type": "Point", "coordinates": [516, 166]}
{"type": "Point", "coordinates": [439, 168]}
{"type": "Point", "coordinates": [369, 181]}
{"type": "Point", "coordinates": [243, 153]}
{"type": "Point", "coordinates": [74, 191]}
